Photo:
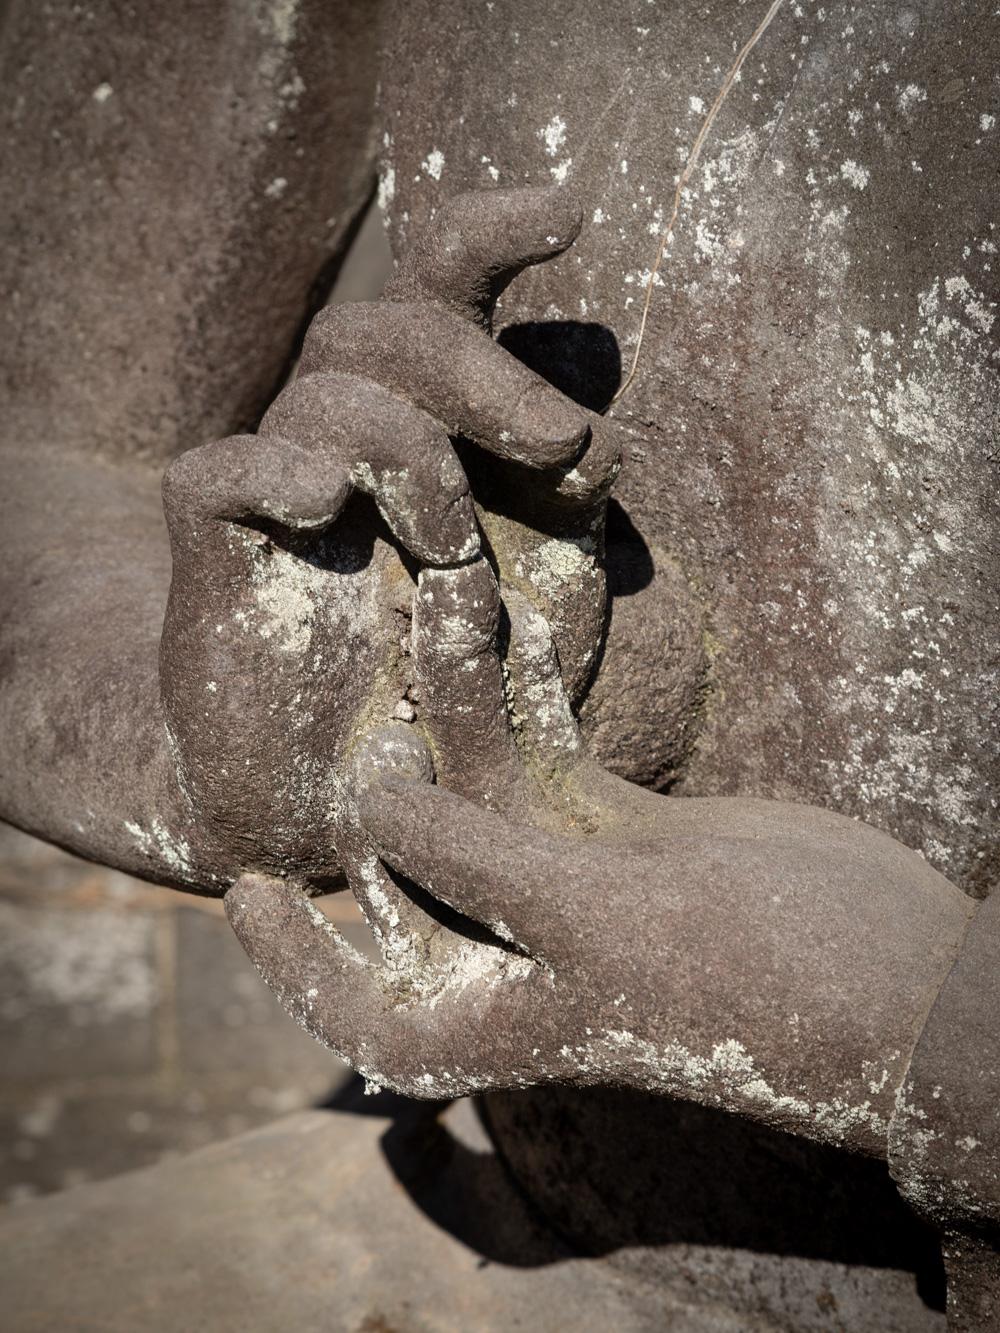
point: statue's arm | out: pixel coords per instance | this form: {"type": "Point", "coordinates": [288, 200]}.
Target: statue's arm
{"type": "Point", "coordinates": [175, 188]}
{"type": "Point", "coordinates": [84, 575]}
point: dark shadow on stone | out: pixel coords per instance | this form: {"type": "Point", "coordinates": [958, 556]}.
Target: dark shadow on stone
{"type": "Point", "coordinates": [345, 547]}
{"type": "Point", "coordinates": [613, 1168]}
{"type": "Point", "coordinates": [609, 1169]}
{"type": "Point", "coordinates": [582, 360]}
{"type": "Point", "coordinates": [629, 559]}
{"type": "Point", "coordinates": [628, 566]}
{"type": "Point", "coordinates": [467, 1193]}
{"type": "Point", "coordinates": [446, 916]}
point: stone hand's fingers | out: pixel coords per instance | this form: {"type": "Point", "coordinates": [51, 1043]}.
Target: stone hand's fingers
{"type": "Point", "coordinates": [398, 924]}
{"type": "Point", "coordinates": [464, 258]}
{"type": "Point", "coordinates": [556, 498]}
{"type": "Point", "coordinates": [536, 686]}
{"type": "Point", "coordinates": [592, 475]}
{"type": "Point", "coordinates": [438, 362]}
{"type": "Point", "coordinates": [462, 698]}
{"type": "Point", "coordinates": [329, 988]}
{"type": "Point", "coordinates": [247, 477]}
{"type": "Point", "coordinates": [427, 1034]}
{"type": "Point", "coordinates": [401, 927]}
{"type": "Point", "coordinates": [478, 242]}
{"type": "Point", "coordinates": [392, 451]}
{"type": "Point", "coordinates": [523, 883]}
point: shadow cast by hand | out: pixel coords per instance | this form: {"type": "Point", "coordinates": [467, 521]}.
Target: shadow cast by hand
{"type": "Point", "coordinates": [464, 1188]}
{"type": "Point", "coordinates": [581, 360]}
{"type": "Point", "coordinates": [622, 1170]}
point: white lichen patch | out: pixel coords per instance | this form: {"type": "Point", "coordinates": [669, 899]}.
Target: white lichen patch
{"type": "Point", "coordinates": [174, 849]}
{"type": "Point", "coordinates": [433, 164]}
{"type": "Point", "coordinates": [556, 566]}
{"type": "Point", "coordinates": [374, 888]}
{"type": "Point", "coordinates": [386, 188]}
{"type": "Point", "coordinates": [731, 166]}
{"type": "Point", "coordinates": [726, 1075]}
{"type": "Point", "coordinates": [469, 964]}
{"type": "Point", "coordinates": [286, 592]}
{"type": "Point", "coordinates": [854, 173]}
{"type": "Point", "coordinates": [278, 18]}
{"type": "Point", "coordinates": [908, 97]}
{"type": "Point", "coordinates": [537, 699]}
{"type": "Point", "coordinates": [553, 135]}
{"type": "Point", "coordinates": [157, 841]}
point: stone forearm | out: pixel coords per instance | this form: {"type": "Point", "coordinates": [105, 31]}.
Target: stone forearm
{"type": "Point", "coordinates": [83, 749]}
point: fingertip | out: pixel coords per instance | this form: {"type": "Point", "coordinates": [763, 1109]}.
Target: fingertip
{"type": "Point", "coordinates": [480, 240]}
{"type": "Point", "coordinates": [392, 755]}
{"type": "Point", "coordinates": [441, 532]}
{"type": "Point", "coordinates": [550, 428]}
{"type": "Point", "coordinates": [256, 900]}
{"type": "Point", "coordinates": [593, 473]}
{"type": "Point", "coordinates": [540, 221]}
{"type": "Point", "coordinates": [563, 216]}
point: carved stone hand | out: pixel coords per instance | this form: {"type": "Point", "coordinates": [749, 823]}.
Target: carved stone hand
{"type": "Point", "coordinates": [290, 599]}
{"type": "Point", "coordinates": [776, 959]}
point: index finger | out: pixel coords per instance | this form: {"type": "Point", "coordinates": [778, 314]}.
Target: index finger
{"type": "Point", "coordinates": [479, 242]}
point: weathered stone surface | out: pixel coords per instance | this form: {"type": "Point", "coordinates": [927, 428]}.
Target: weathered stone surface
{"type": "Point", "coordinates": [173, 193]}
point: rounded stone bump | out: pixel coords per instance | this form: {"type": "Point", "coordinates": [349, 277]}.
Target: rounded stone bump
{"type": "Point", "coordinates": [392, 750]}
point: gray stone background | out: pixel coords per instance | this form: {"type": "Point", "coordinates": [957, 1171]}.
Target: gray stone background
{"type": "Point", "coordinates": [132, 1026]}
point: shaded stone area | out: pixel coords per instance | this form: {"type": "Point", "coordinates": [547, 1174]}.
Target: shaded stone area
{"type": "Point", "coordinates": [381, 1215]}
{"type": "Point", "coordinates": [778, 1227]}
{"type": "Point", "coordinates": [132, 1026]}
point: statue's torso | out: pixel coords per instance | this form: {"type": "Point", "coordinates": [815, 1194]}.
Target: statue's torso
{"type": "Point", "coordinates": [815, 404]}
